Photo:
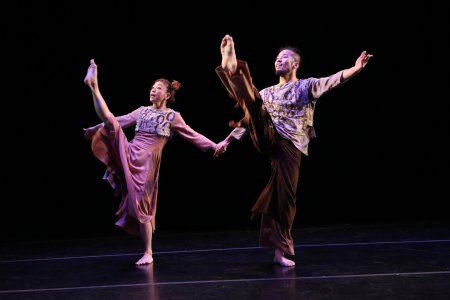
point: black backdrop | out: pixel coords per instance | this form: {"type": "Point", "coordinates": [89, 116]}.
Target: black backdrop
{"type": "Point", "coordinates": [381, 154]}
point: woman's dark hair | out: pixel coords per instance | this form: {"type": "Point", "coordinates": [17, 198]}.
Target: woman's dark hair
{"type": "Point", "coordinates": [172, 88]}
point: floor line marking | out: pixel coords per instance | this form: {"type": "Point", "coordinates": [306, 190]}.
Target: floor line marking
{"type": "Point", "coordinates": [228, 281]}
{"type": "Point", "coordinates": [223, 249]}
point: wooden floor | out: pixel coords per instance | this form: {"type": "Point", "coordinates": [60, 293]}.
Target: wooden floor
{"type": "Point", "coordinates": [361, 261]}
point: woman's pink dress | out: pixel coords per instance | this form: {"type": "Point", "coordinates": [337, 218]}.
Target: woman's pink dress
{"type": "Point", "coordinates": [132, 167]}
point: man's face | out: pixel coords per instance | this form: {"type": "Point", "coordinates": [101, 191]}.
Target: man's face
{"type": "Point", "coordinates": [285, 63]}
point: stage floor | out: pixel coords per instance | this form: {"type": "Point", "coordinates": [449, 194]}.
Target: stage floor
{"type": "Point", "coordinates": [353, 261]}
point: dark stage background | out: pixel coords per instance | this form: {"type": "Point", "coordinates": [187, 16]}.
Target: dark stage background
{"type": "Point", "coordinates": [381, 154]}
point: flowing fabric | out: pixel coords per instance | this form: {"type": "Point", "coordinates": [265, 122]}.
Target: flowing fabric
{"type": "Point", "coordinates": [132, 167]}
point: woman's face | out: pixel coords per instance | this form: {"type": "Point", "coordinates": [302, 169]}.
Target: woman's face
{"type": "Point", "coordinates": [158, 92]}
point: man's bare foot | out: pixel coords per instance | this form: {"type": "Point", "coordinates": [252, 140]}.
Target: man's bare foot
{"type": "Point", "coordinates": [229, 61]}
{"type": "Point", "coordinates": [145, 260]}
{"type": "Point", "coordinates": [91, 76]}
{"type": "Point", "coordinates": [281, 260]}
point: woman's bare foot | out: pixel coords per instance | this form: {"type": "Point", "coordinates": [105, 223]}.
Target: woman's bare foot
{"type": "Point", "coordinates": [229, 61]}
{"type": "Point", "coordinates": [145, 260]}
{"type": "Point", "coordinates": [281, 260]}
{"type": "Point", "coordinates": [91, 76]}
